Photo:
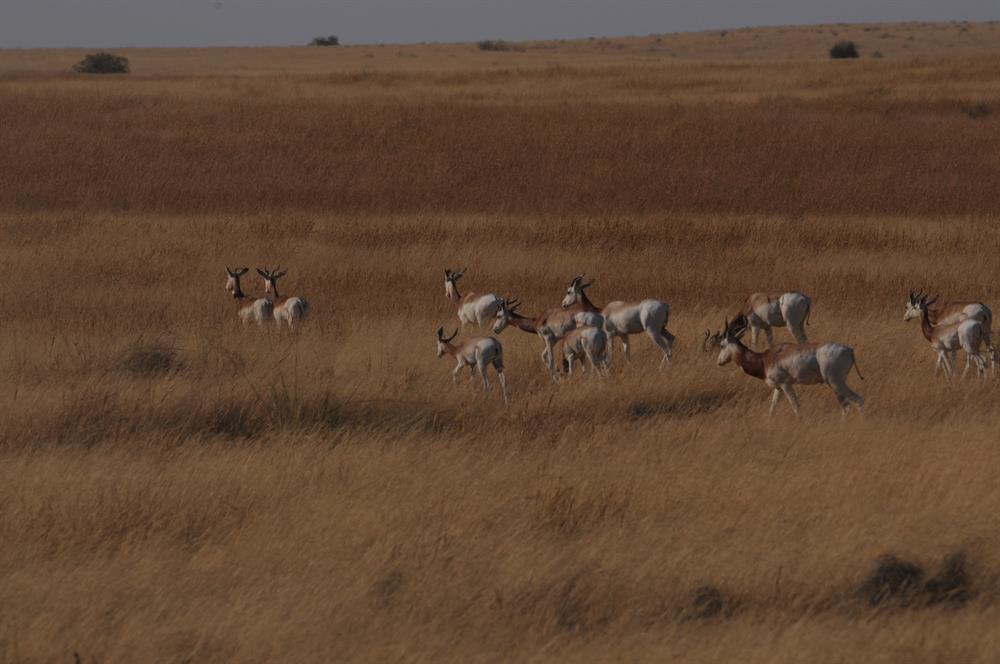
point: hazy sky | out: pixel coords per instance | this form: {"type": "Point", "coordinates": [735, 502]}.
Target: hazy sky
{"type": "Point", "coordinates": [110, 23]}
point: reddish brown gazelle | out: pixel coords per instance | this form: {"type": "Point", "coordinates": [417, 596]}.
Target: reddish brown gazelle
{"type": "Point", "coordinates": [286, 309]}
{"type": "Point", "coordinates": [950, 313]}
{"type": "Point", "coordinates": [550, 327]}
{"type": "Point", "coordinates": [947, 338]}
{"type": "Point", "coordinates": [785, 365]}
{"type": "Point", "coordinates": [248, 309]}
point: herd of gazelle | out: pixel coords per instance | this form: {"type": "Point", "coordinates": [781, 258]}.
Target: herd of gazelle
{"type": "Point", "coordinates": [287, 310]}
{"type": "Point", "coordinates": [586, 333]}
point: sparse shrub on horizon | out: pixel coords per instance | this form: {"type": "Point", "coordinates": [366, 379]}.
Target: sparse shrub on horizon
{"type": "Point", "coordinates": [329, 40]}
{"type": "Point", "coordinates": [102, 63]}
{"type": "Point", "coordinates": [498, 45]}
{"type": "Point", "coordinates": [843, 50]}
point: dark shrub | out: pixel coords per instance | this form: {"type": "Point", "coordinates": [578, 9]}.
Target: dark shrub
{"type": "Point", "coordinates": [102, 63]}
{"type": "Point", "coordinates": [331, 40]}
{"type": "Point", "coordinates": [498, 45]}
{"type": "Point", "coordinates": [844, 49]}
{"type": "Point", "coordinates": [892, 579]}
{"type": "Point", "coordinates": [951, 584]}
{"type": "Point", "coordinates": [149, 360]}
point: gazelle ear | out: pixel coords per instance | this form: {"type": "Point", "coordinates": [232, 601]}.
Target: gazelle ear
{"type": "Point", "coordinates": [278, 275]}
{"type": "Point", "coordinates": [453, 335]}
{"type": "Point", "coordinates": [440, 334]}
{"type": "Point", "coordinates": [229, 272]}
{"type": "Point", "coordinates": [240, 271]}
{"type": "Point", "coordinates": [263, 273]}
{"type": "Point", "coordinates": [586, 285]}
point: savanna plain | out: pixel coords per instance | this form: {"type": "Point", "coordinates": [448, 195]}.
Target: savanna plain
{"type": "Point", "coordinates": [175, 487]}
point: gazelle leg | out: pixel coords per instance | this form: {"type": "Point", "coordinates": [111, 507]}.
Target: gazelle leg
{"type": "Point", "coordinates": [661, 343]}
{"type": "Point", "coordinates": [793, 400]}
{"type": "Point", "coordinates": [770, 336]}
{"type": "Point", "coordinates": [775, 398]}
{"type": "Point", "coordinates": [482, 371]}
{"type": "Point", "coordinates": [753, 335]}
{"type": "Point", "coordinates": [626, 348]}
{"type": "Point", "coordinates": [798, 332]}
{"type": "Point", "coordinates": [503, 383]}
{"type": "Point", "coordinates": [454, 374]}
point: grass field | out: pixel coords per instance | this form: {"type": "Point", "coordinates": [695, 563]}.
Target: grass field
{"type": "Point", "coordinates": [176, 488]}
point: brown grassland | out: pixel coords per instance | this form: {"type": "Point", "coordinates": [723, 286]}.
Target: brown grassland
{"type": "Point", "coordinates": [176, 488]}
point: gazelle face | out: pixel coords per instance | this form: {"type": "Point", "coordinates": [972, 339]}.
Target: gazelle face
{"type": "Point", "coordinates": [571, 295]}
{"type": "Point", "coordinates": [230, 283]}
{"type": "Point", "coordinates": [440, 348]}
{"type": "Point", "coordinates": [503, 319]}
{"type": "Point", "coordinates": [267, 286]}
{"type": "Point", "coordinates": [725, 352]}
{"type": "Point", "coordinates": [912, 310]}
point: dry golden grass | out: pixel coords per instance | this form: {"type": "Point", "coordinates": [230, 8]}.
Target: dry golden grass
{"type": "Point", "coordinates": [174, 487]}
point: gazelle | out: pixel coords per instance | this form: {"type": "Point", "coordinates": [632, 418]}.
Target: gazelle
{"type": "Point", "coordinates": [949, 313]}
{"type": "Point", "coordinates": [550, 327]}
{"type": "Point", "coordinates": [249, 310]}
{"type": "Point", "coordinates": [286, 309]}
{"type": "Point", "coordinates": [946, 339]}
{"type": "Point", "coordinates": [583, 344]}
{"type": "Point", "coordinates": [473, 308]}
{"type": "Point", "coordinates": [475, 353]}
{"type": "Point", "coordinates": [622, 319]}
{"type": "Point", "coordinates": [787, 364]}
{"type": "Point", "coordinates": [764, 311]}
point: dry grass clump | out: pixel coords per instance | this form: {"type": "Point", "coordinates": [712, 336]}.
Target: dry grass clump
{"type": "Point", "coordinates": [174, 486]}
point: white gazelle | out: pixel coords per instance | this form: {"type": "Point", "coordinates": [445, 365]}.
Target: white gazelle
{"type": "Point", "coordinates": [947, 338]}
{"type": "Point", "coordinates": [622, 319]}
{"type": "Point", "coordinates": [586, 343]}
{"type": "Point", "coordinates": [765, 311]}
{"type": "Point", "coordinates": [288, 310]}
{"type": "Point", "coordinates": [787, 364]}
{"type": "Point", "coordinates": [475, 353]}
{"type": "Point", "coordinates": [950, 313]}
{"type": "Point", "coordinates": [473, 308]}
{"type": "Point", "coordinates": [248, 309]}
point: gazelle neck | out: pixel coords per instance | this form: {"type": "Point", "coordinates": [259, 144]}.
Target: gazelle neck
{"type": "Point", "coordinates": [585, 302]}
{"type": "Point", "coordinates": [273, 293]}
{"type": "Point", "coordinates": [451, 290]}
{"type": "Point", "coordinates": [751, 362]}
{"type": "Point", "coordinates": [925, 324]}
{"type": "Point", "coordinates": [524, 323]}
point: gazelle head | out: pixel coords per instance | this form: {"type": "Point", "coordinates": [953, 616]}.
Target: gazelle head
{"type": "Point", "coordinates": [451, 281]}
{"type": "Point", "coordinates": [913, 305]}
{"type": "Point", "coordinates": [233, 281]}
{"type": "Point", "coordinates": [574, 291]}
{"type": "Point", "coordinates": [507, 308]}
{"type": "Point", "coordinates": [443, 341]}
{"type": "Point", "coordinates": [733, 332]}
{"type": "Point", "coordinates": [711, 341]}
{"type": "Point", "coordinates": [271, 278]}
